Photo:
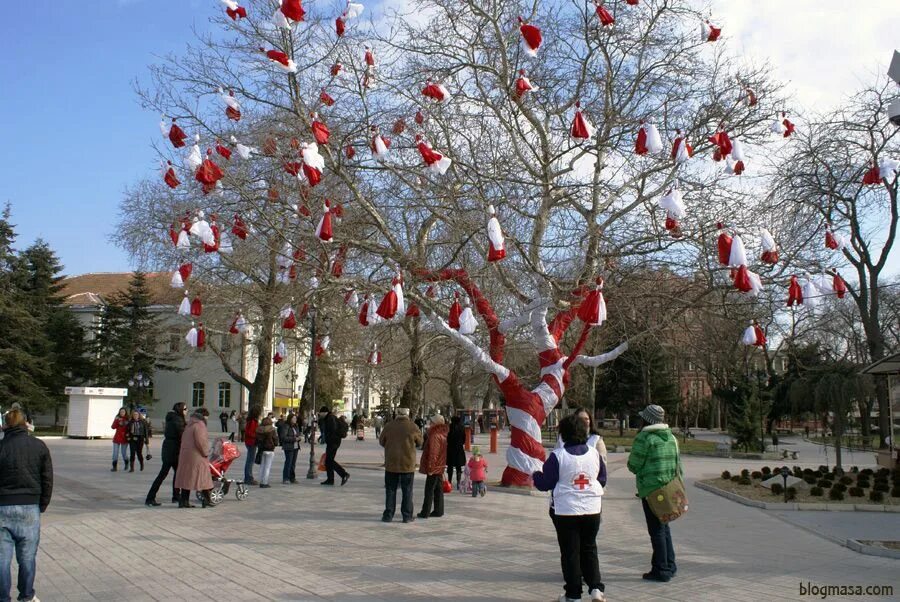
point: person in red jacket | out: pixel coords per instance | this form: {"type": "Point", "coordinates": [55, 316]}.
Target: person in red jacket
{"type": "Point", "coordinates": [120, 439]}
{"type": "Point", "coordinates": [250, 442]}
{"type": "Point", "coordinates": [432, 464]}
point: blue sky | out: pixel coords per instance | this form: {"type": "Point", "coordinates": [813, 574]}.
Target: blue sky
{"type": "Point", "coordinates": [74, 135]}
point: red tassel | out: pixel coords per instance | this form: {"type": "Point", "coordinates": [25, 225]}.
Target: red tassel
{"type": "Point", "coordinates": [387, 309]}
{"type": "Point", "coordinates": [292, 167]}
{"type": "Point", "coordinates": [455, 313]}
{"type": "Point", "coordinates": [320, 132]}
{"type": "Point", "coordinates": [830, 241]}
{"type": "Point", "coordinates": [760, 335]}
{"type": "Point", "coordinates": [326, 99]}
{"type": "Point", "coordinates": [209, 173]}
{"type": "Point", "coordinates": [290, 322]}
{"type": "Point", "coordinates": [336, 69]}
{"type": "Point", "coordinates": [770, 257]}
{"type": "Point", "coordinates": [223, 151]}
{"type": "Point", "coordinates": [216, 238]}
{"type": "Point", "coordinates": [339, 27]}
{"type": "Point", "coordinates": [350, 152]}
{"type": "Point", "coordinates": [412, 310]}
{"type": "Point", "coordinates": [196, 307]}
{"type": "Point", "coordinates": [293, 10]}
{"type": "Point", "coordinates": [239, 228]}
{"type": "Point", "coordinates": [640, 145]}
{"type": "Point", "coordinates": [840, 287]}
{"type": "Point", "coordinates": [364, 313]}
{"type": "Point", "coordinates": [606, 19]}
{"type": "Point", "coordinates": [185, 270]}
{"type": "Point", "coordinates": [201, 337]}
{"type": "Point", "coordinates": [236, 13]}
{"type": "Point", "coordinates": [173, 235]}
{"type": "Point", "coordinates": [313, 175]}
{"type": "Point", "coordinates": [172, 181]}
{"type": "Point", "coordinates": [795, 293]}
{"type": "Point", "coordinates": [531, 35]}
{"type": "Point", "coordinates": [176, 135]}
{"type": "Point", "coordinates": [742, 280]}
{"type": "Point", "coordinates": [872, 177]}
{"type": "Point", "coordinates": [724, 248]}
{"type": "Point", "coordinates": [788, 128]}
{"type": "Point", "coordinates": [420, 118]}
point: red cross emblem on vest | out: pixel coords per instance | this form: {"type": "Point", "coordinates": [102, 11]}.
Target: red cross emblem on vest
{"type": "Point", "coordinates": [582, 481]}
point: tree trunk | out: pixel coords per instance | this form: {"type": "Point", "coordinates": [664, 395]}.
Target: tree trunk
{"type": "Point", "coordinates": [838, 431]}
{"type": "Point", "coordinates": [454, 384]}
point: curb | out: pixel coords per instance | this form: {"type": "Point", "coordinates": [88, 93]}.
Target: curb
{"type": "Point", "coordinates": [799, 506]}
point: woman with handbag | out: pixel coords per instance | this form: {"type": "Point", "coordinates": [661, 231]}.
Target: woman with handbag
{"type": "Point", "coordinates": [655, 462]}
{"type": "Point", "coordinates": [574, 473]}
{"type": "Point", "coordinates": [432, 464]}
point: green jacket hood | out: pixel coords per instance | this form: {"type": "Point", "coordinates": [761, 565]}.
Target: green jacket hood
{"type": "Point", "coordinates": [659, 431]}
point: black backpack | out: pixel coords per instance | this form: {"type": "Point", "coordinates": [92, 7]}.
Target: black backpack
{"type": "Point", "coordinates": [343, 429]}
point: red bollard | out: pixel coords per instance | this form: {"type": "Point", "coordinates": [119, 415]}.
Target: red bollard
{"type": "Point", "coordinates": [468, 438]}
{"type": "Point", "coordinates": [494, 440]}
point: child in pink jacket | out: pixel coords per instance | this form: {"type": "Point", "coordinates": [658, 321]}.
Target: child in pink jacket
{"type": "Point", "coordinates": [477, 471]}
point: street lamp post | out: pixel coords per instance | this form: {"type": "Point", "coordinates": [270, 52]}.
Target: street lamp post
{"type": "Point", "coordinates": [311, 473]}
{"type": "Point", "coordinates": [139, 381]}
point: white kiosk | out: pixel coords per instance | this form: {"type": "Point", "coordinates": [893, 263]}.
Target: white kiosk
{"type": "Point", "coordinates": [92, 410]}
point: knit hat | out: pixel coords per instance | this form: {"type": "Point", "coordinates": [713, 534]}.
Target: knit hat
{"type": "Point", "coordinates": [476, 451]}
{"type": "Point", "coordinates": [324, 410]}
{"type": "Point", "coordinates": [653, 414]}
{"type": "Point", "coordinates": [403, 411]}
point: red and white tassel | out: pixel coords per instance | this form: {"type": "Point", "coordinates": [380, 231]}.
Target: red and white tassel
{"type": "Point", "coordinates": [287, 317]}
{"type": "Point", "coordinates": [648, 140]}
{"type": "Point", "coordinates": [769, 247]}
{"type": "Point", "coordinates": [531, 37]}
{"type": "Point", "coordinates": [234, 10]}
{"type": "Point", "coordinates": [709, 32]}
{"type": "Point", "coordinates": [496, 242]}
{"type": "Point", "coordinates": [592, 310]}
{"type": "Point", "coordinates": [280, 353]}
{"type": "Point", "coordinates": [681, 149]}
{"type": "Point", "coordinates": [435, 162]}
{"type": "Point", "coordinates": [581, 129]}
{"type": "Point", "coordinates": [435, 91]}
{"type": "Point", "coordinates": [838, 286]}
{"type": "Point", "coordinates": [238, 325]}
{"type": "Point", "coordinates": [232, 106]}
{"type": "Point", "coordinates": [169, 176]}
{"type": "Point", "coordinates": [524, 85]}
{"type": "Point", "coordinates": [324, 230]}
{"type": "Point", "coordinates": [380, 147]}
{"type": "Point", "coordinates": [374, 356]}
{"type": "Point", "coordinates": [723, 244]}
{"type": "Point", "coordinates": [174, 133]}
{"type": "Point", "coordinates": [754, 335]}
{"type": "Point", "coordinates": [280, 60]}
{"type": "Point", "coordinates": [351, 299]}
{"type": "Point", "coordinates": [313, 163]}
{"type": "Point", "coordinates": [795, 293]}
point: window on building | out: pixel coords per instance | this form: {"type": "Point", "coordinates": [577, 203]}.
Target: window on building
{"type": "Point", "coordinates": [224, 395]}
{"type": "Point", "coordinates": [198, 395]}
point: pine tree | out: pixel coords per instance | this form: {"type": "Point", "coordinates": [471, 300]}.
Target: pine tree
{"type": "Point", "coordinates": [135, 336]}
{"type": "Point", "coordinates": [22, 370]}
{"type": "Point", "coordinates": [63, 344]}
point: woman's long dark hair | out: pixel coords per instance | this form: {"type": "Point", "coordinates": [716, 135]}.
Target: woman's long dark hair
{"type": "Point", "coordinates": [255, 412]}
{"type": "Point", "coordinates": [592, 428]}
{"type": "Point", "coordinates": [179, 407]}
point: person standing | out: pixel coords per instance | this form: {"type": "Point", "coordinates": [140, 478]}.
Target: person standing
{"type": "Point", "coordinates": [333, 431]}
{"type": "Point", "coordinates": [250, 442]}
{"type": "Point", "coordinates": [137, 436]}
{"type": "Point", "coordinates": [399, 438]}
{"type": "Point", "coordinates": [477, 472]}
{"type": "Point", "coordinates": [223, 419]}
{"type": "Point", "coordinates": [193, 460]}
{"type": "Point", "coordinates": [171, 446]}
{"type": "Point", "coordinates": [289, 435]}
{"type": "Point", "coordinates": [573, 473]}
{"type": "Point", "coordinates": [595, 440]}
{"type": "Point", "coordinates": [654, 460]}
{"type": "Point", "coordinates": [241, 424]}
{"type": "Point", "coordinates": [379, 424]}
{"type": "Point", "coordinates": [433, 463]}
{"type": "Point", "coordinates": [26, 486]}
{"type": "Point", "coordinates": [266, 442]}
{"type": "Point", "coordinates": [232, 425]}
{"type": "Point", "coordinates": [456, 450]}
{"type": "Point", "coordinates": [120, 439]}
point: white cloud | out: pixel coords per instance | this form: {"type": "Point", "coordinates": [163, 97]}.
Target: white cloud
{"type": "Point", "coordinates": [825, 50]}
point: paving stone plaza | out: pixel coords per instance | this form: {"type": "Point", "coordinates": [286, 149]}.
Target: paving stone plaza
{"type": "Point", "coordinates": [306, 542]}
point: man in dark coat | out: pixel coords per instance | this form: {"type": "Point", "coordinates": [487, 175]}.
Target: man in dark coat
{"type": "Point", "coordinates": [333, 433]}
{"type": "Point", "coordinates": [26, 485]}
{"type": "Point", "coordinates": [456, 449]}
{"type": "Point", "coordinates": [175, 423]}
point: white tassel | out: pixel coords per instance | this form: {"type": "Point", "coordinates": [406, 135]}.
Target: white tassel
{"type": "Point", "coordinates": [756, 286]}
{"type": "Point", "coordinates": [737, 151]}
{"type": "Point", "coordinates": [191, 337]}
{"type": "Point", "coordinates": [738, 255]}
{"type": "Point", "coordinates": [371, 316]}
{"type": "Point", "coordinates": [654, 141]}
{"type": "Point", "coordinates": [194, 158]}
{"type": "Point", "coordinates": [749, 337]}
{"type": "Point", "coordinates": [401, 300]}
{"type": "Point", "coordinates": [185, 308]}
{"type": "Point", "coordinates": [467, 322]}
{"type": "Point", "coordinates": [767, 240]}
{"type": "Point", "coordinates": [177, 281]}
{"type": "Point", "coordinates": [673, 203]}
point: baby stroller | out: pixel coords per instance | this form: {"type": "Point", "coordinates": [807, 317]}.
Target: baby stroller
{"type": "Point", "coordinates": [223, 454]}
{"type": "Point", "coordinates": [464, 486]}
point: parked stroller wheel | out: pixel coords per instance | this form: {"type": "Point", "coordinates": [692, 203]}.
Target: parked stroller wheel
{"type": "Point", "coordinates": [216, 495]}
{"type": "Point", "coordinates": [241, 491]}
{"type": "Point", "coordinates": [198, 495]}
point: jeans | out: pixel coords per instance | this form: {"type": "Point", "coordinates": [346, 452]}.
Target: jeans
{"type": "Point", "coordinates": [478, 487]}
{"type": "Point", "coordinates": [248, 462]}
{"type": "Point", "coordinates": [391, 481]}
{"type": "Point", "coordinates": [290, 465]}
{"type": "Point", "coordinates": [331, 465]}
{"type": "Point", "coordinates": [663, 561]}
{"type": "Point", "coordinates": [224, 425]}
{"type": "Point", "coordinates": [120, 448]}
{"type": "Point", "coordinates": [157, 482]}
{"type": "Point", "coordinates": [577, 537]}
{"type": "Point", "coordinates": [20, 530]}
{"type": "Point", "coordinates": [137, 449]}
{"type": "Point", "coordinates": [434, 491]}
{"type": "Point", "coordinates": [265, 467]}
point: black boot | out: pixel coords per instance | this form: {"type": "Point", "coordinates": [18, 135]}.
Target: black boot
{"type": "Point", "coordinates": [207, 500]}
{"type": "Point", "coordinates": [115, 467]}
{"type": "Point", "coordinates": [185, 501]}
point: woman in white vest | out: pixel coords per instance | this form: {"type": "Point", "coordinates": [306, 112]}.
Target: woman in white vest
{"type": "Point", "coordinates": [573, 473]}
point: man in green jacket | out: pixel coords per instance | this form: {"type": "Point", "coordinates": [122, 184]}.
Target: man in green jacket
{"type": "Point", "coordinates": [654, 461]}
